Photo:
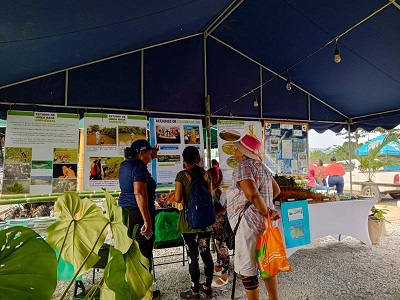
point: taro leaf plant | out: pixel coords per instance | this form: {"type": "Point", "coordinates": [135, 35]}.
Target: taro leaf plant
{"type": "Point", "coordinates": [28, 265]}
{"type": "Point", "coordinates": [79, 234]}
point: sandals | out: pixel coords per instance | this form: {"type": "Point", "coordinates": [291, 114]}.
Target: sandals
{"type": "Point", "coordinates": [207, 292]}
{"type": "Point", "coordinates": [189, 295]}
{"type": "Point", "coordinates": [217, 273]}
{"type": "Point", "coordinates": [219, 282]}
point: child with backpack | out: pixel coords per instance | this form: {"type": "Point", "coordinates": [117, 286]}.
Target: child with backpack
{"type": "Point", "coordinates": [197, 241]}
{"type": "Point", "coordinates": [222, 264]}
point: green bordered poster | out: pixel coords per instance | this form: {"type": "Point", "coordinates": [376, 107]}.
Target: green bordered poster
{"type": "Point", "coordinates": [230, 131]}
{"type": "Point", "coordinates": [172, 136]}
{"type": "Point", "coordinates": [41, 152]}
{"type": "Point", "coordinates": [106, 137]}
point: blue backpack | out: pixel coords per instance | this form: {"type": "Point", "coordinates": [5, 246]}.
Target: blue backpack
{"type": "Point", "coordinates": [200, 213]}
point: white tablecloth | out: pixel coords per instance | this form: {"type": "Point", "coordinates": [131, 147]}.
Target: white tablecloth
{"type": "Point", "coordinates": [339, 218]}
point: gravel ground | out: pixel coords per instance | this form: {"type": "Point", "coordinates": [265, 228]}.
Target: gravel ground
{"type": "Point", "coordinates": [326, 269]}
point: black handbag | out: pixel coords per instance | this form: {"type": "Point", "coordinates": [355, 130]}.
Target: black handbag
{"type": "Point", "coordinates": [228, 234]}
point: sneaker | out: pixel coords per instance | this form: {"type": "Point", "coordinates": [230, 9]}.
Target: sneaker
{"type": "Point", "coordinates": [189, 295]}
{"type": "Point", "coordinates": [156, 295]}
{"type": "Point", "coordinates": [208, 292]}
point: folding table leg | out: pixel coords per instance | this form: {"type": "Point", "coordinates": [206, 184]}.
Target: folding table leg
{"type": "Point", "coordinates": [233, 285]}
{"type": "Point", "coordinates": [183, 255]}
{"type": "Point", "coordinates": [78, 284]}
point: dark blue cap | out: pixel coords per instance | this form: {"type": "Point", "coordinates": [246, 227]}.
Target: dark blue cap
{"type": "Point", "coordinates": [142, 145]}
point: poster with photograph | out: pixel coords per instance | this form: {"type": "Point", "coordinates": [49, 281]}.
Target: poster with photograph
{"type": "Point", "coordinates": [41, 153]}
{"type": "Point", "coordinates": [286, 147]}
{"type": "Point", "coordinates": [230, 131]}
{"type": "Point", "coordinates": [296, 223]}
{"type": "Point", "coordinates": [172, 136]}
{"type": "Point", "coordinates": [106, 137]}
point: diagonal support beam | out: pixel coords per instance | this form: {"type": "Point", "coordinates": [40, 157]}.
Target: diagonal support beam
{"type": "Point", "coordinates": [222, 16]}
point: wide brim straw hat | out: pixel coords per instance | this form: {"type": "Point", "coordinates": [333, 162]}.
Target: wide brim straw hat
{"type": "Point", "coordinates": [249, 146]}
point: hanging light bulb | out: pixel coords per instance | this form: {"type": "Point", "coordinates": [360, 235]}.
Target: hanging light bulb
{"type": "Point", "coordinates": [336, 57]}
{"type": "Point", "coordinates": [288, 84]}
{"type": "Point", "coordinates": [255, 101]}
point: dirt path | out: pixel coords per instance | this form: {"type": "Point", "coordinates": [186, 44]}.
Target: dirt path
{"type": "Point", "coordinates": [390, 205]}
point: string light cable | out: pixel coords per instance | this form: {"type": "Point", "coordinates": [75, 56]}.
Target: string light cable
{"type": "Point", "coordinates": [334, 40]}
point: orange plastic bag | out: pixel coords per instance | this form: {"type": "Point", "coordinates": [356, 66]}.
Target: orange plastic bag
{"type": "Point", "coordinates": [271, 253]}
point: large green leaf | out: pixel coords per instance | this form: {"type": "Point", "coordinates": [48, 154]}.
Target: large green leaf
{"type": "Point", "coordinates": [28, 265]}
{"type": "Point", "coordinates": [115, 286]}
{"type": "Point", "coordinates": [82, 225]}
{"type": "Point", "coordinates": [118, 228]}
{"type": "Point", "coordinates": [137, 271]}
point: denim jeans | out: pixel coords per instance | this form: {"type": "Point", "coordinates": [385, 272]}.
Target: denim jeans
{"type": "Point", "coordinates": [338, 181]}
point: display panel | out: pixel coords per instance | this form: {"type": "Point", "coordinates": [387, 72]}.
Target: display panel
{"type": "Point", "coordinates": [106, 137]}
{"type": "Point", "coordinates": [41, 152]}
{"type": "Point", "coordinates": [286, 147]}
{"type": "Point", "coordinates": [172, 136]}
{"type": "Point", "coordinates": [230, 131]}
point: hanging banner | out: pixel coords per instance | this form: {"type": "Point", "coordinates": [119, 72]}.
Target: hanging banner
{"type": "Point", "coordinates": [286, 147]}
{"type": "Point", "coordinates": [172, 136]}
{"type": "Point", "coordinates": [296, 223]}
{"type": "Point", "coordinates": [106, 137]}
{"type": "Point", "coordinates": [41, 152]}
{"type": "Point", "coordinates": [230, 131]}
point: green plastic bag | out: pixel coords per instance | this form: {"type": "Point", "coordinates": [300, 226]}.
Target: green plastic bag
{"type": "Point", "coordinates": [166, 226]}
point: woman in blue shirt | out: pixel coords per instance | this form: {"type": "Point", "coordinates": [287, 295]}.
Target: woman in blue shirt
{"type": "Point", "coordinates": [138, 192]}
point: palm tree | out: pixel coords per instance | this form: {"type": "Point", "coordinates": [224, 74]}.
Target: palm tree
{"type": "Point", "coordinates": [371, 162]}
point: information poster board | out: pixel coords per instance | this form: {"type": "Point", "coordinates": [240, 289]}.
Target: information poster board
{"type": "Point", "coordinates": [41, 152]}
{"type": "Point", "coordinates": [286, 147]}
{"type": "Point", "coordinates": [230, 131]}
{"type": "Point", "coordinates": [106, 137]}
{"type": "Point", "coordinates": [172, 136]}
{"type": "Point", "coordinates": [296, 223]}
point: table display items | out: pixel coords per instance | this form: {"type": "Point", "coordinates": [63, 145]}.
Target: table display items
{"type": "Point", "coordinates": [290, 190]}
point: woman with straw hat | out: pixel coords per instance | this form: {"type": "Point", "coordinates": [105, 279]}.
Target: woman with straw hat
{"type": "Point", "coordinates": [251, 181]}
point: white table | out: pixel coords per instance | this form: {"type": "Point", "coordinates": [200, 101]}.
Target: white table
{"type": "Point", "coordinates": [339, 218]}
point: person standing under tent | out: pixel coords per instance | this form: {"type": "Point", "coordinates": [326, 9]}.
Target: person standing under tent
{"type": "Point", "coordinates": [222, 265]}
{"type": "Point", "coordinates": [138, 193]}
{"type": "Point", "coordinates": [197, 241]}
{"type": "Point", "coordinates": [251, 181]}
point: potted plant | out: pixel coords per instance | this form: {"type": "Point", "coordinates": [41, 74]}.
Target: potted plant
{"type": "Point", "coordinates": [376, 225]}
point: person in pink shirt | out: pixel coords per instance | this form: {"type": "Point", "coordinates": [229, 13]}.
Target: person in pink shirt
{"type": "Point", "coordinates": [311, 183]}
{"type": "Point", "coordinates": [335, 171]}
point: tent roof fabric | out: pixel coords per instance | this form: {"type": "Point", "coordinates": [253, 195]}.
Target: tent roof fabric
{"type": "Point", "coordinates": [163, 57]}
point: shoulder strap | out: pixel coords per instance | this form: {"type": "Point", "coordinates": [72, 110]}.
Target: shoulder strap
{"type": "Point", "coordinates": [248, 203]}
{"type": "Point", "coordinates": [188, 175]}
